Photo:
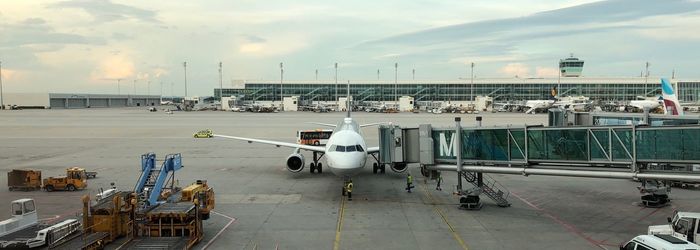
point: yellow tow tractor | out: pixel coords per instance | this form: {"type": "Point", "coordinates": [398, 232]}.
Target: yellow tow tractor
{"type": "Point", "coordinates": [75, 179]}
{"type": "Point", "coordinates": [204, 134]}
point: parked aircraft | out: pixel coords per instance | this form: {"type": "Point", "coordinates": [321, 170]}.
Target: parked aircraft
{"type": "Point", "coordinates": [346, 151]}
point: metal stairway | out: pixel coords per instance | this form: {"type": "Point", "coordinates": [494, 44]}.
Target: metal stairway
{"type": "Point", "coordinates": [497, 192]}
{"type": "Point", "coordinates": [153, 179]}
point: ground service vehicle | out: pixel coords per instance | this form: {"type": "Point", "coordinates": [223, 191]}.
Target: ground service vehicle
{"type": "Point", "coordinates": [204, 134]}
{"type": "Point", "coordinates": [683, 225]}
{"type": "Point", "coordinates": [23, 180]}
{"type": "Point", "coordinates": [75, 179]}
{"type": "Point", "coordinates": [318, 137]}
{"type": "Point", "coordinates": [203, 194]}
{"type": "Point", "coordinates": [658, 242]}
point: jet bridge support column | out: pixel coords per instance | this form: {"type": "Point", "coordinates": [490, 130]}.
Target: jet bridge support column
{"type": "Point", "coordinates": [458, 153]}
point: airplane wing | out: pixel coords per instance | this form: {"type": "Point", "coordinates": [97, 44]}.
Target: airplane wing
{"type": "Point", "coordinates": [323, 124]}
{"type": "Point", "coordinates": [372, 124]}
{"type": "Point", "coordinates": [276, 143]}
{"type": "Point", "coordinates": [371, 150]}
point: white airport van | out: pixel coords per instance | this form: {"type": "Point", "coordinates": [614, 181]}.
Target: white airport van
{"type": "Point", "coordinates": [658, 242]}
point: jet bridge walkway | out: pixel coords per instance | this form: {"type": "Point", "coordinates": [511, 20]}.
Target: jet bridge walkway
{"type": "Point", "coordinates": [651, 154]}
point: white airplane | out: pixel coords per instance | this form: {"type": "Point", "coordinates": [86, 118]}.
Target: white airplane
{"type": "Point", "coordinates": [346, 151]}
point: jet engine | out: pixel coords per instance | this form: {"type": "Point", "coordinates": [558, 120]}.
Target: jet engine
{"type": "Point", "coordinates": [399, 167]}
{"type": "Point", "coordinates": [295, 162]}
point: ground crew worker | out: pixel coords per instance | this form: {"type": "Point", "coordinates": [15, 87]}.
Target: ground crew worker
{"type": "Point", "coordinates": [409, 182]}
{"type": "Point", "coordinates": [439, 181]}
{"type": "Point", "coordinates": [348, 189]}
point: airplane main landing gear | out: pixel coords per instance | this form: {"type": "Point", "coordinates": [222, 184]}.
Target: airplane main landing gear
{"type": "Point", "coordinates": [376, 167]}
{"type": "Point", "coordinates": [316, 165]}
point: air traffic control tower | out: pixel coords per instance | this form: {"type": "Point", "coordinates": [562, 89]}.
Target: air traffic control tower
{"type": "Point", "coordinates": [571, 67]}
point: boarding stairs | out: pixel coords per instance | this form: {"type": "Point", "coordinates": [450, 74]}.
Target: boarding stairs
{"type": "Point", "coordinates": [490, 187]}
{"type": "Point", "coordinates": [153, 179]}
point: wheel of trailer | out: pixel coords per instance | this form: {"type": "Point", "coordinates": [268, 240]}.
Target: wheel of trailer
{"type": "Point", "coordinates": [319, 168]}
{"type": "Point", "coordinates": [375, 167]}
{"type": "Point", "coordinates": [312, 167]}
{"type": "Point", "coordinates": [49, 188]}
{"type": "Point", "coordinates": [383, 168]}
{"type": "Point", "coordinates": [70, 188]}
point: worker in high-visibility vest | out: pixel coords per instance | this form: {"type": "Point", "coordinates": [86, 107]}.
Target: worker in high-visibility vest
{"type": "Point", "coordinates": [348, 189]}
{"type": "Point", "coordinates": [409, 182]}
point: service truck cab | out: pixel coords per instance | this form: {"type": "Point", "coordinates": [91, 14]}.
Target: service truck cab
{"type": "Point", "coordinates": [658, 242]}
{"type": "Point", "coordinates": [683, 225]}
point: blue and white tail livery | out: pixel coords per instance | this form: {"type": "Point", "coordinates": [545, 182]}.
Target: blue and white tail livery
{"type": "Point", "coordinates": [671, 104]}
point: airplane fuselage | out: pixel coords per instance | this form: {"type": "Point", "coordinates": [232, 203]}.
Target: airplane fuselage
{"type": "Point", "coordinates": [346, 150]}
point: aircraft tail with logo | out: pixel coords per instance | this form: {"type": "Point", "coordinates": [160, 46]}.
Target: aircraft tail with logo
{"type": "Point", "coordinates": [671, 104]}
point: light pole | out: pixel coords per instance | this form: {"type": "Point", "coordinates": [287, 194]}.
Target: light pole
{"type": "Point", "coordinates": [148, 90]}
{"type": "Point", "coordinates": [184, 65]}
{"type": "Point", "coordinates": [281, 85]}
{"type": "Point", "coordinates": [2, 99]}
{"type": "Point", "coordinates": [396, 82]}
{"type": "Point", "coordinates": [414, 74]}
{"type": "Point", "coordinates": [119, 88]}
{"type": "Point", "coordinates": [134, 90]}
{"type": "Point", "coordinates": [161, 91]}
{"type": "Point", "coordinates": [377, 74]}
{"type": "Point", "coordinates": [472, 83]}
{"type": "Point", "coordinates": [316, 74]}
{"type": "Point", "coordinates": [221, 85]}
{"type": "Point", "coordinates": [646, 78]}
{"type": "Point", "coordinates": [336, 82]}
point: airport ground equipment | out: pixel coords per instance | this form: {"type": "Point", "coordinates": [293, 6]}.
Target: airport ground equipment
{"type": "Point", "coordinates": [91, 174]}
{"type": "Point", "coordinates": [23, 231]}
{"type": "Point", "coordinates": [665, 242]}
{"type": "Point", "coordinates": [620, 152]}
{"type": "Point", "coordinates": [203, 134]}
{"type": "Point", "coordinates": [153, 179]}
{"type": "Point", "coordinates": [75, 179]}
{"type": "Point", "coordinates": [683, 225]}
{"type": "Point", "coordinates": [23, 216]}
{"type": "Point", "coordinates": [25, 180]}
{"type": "Point", "coordinates": [201, 194]}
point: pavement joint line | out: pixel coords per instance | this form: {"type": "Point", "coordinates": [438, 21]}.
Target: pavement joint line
{"type": "Point", "coordinates": [339, 226]}
{"type": "Point", "coordinates": [455, 235]}
{"type": "Point", "coordinates": [231, 221]}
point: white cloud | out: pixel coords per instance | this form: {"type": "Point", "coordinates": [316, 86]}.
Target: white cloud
{"type": "Point", "coordinates": [516, 69]}
{"type": "Point", "coordinates": [546, 71]}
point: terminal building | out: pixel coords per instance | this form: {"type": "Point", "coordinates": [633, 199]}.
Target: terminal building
{"type": "Point", "coordinates": [500, 89]}
{"type": "Point", "coordinates": [570, 82]}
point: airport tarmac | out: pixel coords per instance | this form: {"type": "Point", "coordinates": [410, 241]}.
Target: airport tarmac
{"type": "Point", "coordinates": [260, 205]}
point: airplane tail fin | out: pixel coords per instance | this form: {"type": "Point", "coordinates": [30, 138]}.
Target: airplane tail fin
{"type": "Point", "coordinates": [671, 104]}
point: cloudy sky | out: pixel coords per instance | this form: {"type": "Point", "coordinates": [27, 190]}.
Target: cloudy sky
{"type": "Point", "coordinates": [85, 46]}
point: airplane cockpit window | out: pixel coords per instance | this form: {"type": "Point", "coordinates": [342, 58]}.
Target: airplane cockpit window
{"type": "Point", "coordinates": [350, 148]}
{"type": "Point", "coordinates": [359, 148]}
{"type": "Point", "coordinates": [340, 148]}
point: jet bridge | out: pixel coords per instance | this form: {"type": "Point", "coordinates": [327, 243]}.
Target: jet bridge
{"type": "Point", "coordinates": [651, 154]}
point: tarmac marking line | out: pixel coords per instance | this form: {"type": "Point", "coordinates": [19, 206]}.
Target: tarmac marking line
{"type": "Point", "coordinates": [442, 215]}
{"type": "Point", "coordinates": [231, 220]}
{"type": "Point", "coordinates": [568, 226]}
{"type": "Point", "coordinates": [339, 226]}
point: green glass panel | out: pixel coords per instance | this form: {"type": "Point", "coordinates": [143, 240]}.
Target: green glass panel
{"type": "Point", "coordinates": [619, 145]}
{"type": "Point", "coordinates": [691, 144]}
{"type": "Point", "coordinates": [601, 147]}
{"type": "Point", "coordinates": [518, 140]}
{"type": "Point", "coordinates": [485, 145]}
{"type": "Point", "coordinates": [536, 145]}
{"type": "Point", "coordinates": [646, 144]}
